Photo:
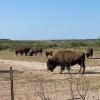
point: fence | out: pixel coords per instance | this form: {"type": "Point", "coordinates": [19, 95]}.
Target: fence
{"type": "Point", "coordinates": [10, 72]}
{"type": "Point", "coordinates": [38, 86]}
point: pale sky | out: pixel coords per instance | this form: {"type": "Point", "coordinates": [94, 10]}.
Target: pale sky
{"type": "Point", "coordinates": [49, 19]}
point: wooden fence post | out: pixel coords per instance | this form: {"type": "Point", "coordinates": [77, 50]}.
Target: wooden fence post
{"type": "Point", "coordinates": [11, 82]}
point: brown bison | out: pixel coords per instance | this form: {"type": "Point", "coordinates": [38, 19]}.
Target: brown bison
{"type": "Point", "coordinates": [19, 51]}
{"type": "Point", "coordinates": [49, 53]}
{"type": "Point", "coordinates": [22, 51]}
{"type": "Point", "coordinates": [66, 59]}
{"type": "Point", "coordinates": [89, 52]}
{"type": "Point", "coordinates": [36, 51]}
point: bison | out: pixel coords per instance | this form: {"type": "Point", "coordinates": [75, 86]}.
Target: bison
{"type": "Point", "coordinates": [22, 51]}
{"type": "Point", "coordinates": [19, 51]}
{"type": "Point", "coordinates": [36, 51]}
{"type": "Point", "coordinates": [66, 58]}
{"type": "Point", "coordinates": [89, 52]}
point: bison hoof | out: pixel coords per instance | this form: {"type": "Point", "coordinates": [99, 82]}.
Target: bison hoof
{"type": "Point", "coordinates": [60, 72]}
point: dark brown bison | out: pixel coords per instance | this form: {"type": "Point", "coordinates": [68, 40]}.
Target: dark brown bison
{"type": "Point", "coordinates": [89, 52]}
{"type": "Point", "coordinates": [22, 51]}
{"type": "Point", "coordinates": [36, 51]}
{"type": "Point", "coordinates": [66, 59]}
{"type": "Point", "coordinates": [49, 54]}
{"type": "Point", "coordinates": [19, 51]}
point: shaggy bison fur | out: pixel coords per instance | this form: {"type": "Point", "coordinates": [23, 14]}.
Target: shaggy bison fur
{"type": "Point", "coordinates": [66, 59]}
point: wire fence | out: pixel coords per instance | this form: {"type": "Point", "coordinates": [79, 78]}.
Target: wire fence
{"type": "Point", "coordinates": [18, 86]}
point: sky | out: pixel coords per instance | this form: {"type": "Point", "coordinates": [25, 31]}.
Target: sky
{"type": "Point", "coordinates": [49, 19]}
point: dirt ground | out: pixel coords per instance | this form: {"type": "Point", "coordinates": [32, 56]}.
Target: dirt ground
{"type": "Point", "coordinates": [32, 81]}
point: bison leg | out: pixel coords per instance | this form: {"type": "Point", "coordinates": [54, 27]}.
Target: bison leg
{"type": "Point", "coordinates": [35, 53]}
{"type": "Point", "coordinates": [25, 53]}
{"type": "Point", "coordinates": [62, 68]}
{"type": "Point", "coordinates": [91, 55]}
{"type": "Point", "coordinates": [31, 53]}
{"type": "Point", "coordinates": [82, 66]}
{"type": "Point", "coordinates": [21, 53]}
{"type": "Point", "coordinates": [16, 52]}
{"type": "Point", "coordinates": [80, 69]}
{"type": "Point", "coordinates": [68, 68]}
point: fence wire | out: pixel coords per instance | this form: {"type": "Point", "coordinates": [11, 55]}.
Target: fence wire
{"type": "Point", "coordinates": [40, 87]}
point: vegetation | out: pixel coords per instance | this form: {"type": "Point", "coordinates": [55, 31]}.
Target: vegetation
{"type": "Point", "coordinates": [6, 44]}
{"type": "Point", "coordinates": [45, 86]}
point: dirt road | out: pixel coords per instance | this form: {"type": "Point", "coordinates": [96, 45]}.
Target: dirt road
{"type": "Point", "coordinates": [32, 81]}
{"type": "Point", "coordinates": [21, 65]}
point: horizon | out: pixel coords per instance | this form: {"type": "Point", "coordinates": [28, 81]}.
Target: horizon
{"type": "Point", "coordinates": [49, 20]}
{"type": "Point", "coordinates": [47, 39]}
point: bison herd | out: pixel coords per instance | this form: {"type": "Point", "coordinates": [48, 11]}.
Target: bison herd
{"type": "Point", "coordinates": [22, 51]}
{"type": "Point", "coordinates": [32, 52]}
{"type": "Point", "coordinates": [63, 58]}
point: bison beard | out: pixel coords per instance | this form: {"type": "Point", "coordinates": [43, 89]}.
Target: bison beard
{"type": "Point", "coordinates": [65, 59]}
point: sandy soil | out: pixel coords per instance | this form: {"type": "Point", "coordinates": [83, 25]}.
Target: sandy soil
{"type": "Point", "coordinates": [32, 81]}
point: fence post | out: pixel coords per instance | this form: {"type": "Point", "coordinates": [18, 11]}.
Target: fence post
{"type": "Point", "coordinates": [11, 82]}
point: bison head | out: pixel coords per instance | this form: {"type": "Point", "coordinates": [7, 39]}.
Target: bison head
{"type": "Point", "coordinates": [51, 65]}
{"type": "Point", "coordinates": [87, 55]}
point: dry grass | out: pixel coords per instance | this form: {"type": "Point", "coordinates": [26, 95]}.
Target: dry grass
{"type": "Point", "coordinates": [94, 82]}
{"type": "Point", "coordinates": [30, 84]}
{"type": "Point", "coordinates": [11, 56]}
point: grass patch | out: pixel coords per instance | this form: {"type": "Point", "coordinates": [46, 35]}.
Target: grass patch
{"type": "Point", "coordinates": [11, 56]}
{"type": "Point", "coordinates": [94, 82]}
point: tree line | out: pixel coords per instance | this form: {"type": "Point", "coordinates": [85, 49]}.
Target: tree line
{"type": "Point", "coordinates": [6, 44]}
